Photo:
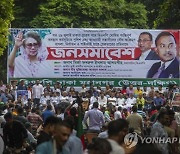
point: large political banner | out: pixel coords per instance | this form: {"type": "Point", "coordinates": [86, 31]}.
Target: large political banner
{"type": "Point", "coordinates": [93, 53]}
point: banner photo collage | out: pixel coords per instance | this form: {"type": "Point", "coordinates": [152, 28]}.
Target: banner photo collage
{"type": "Point", "coordinates": [93, 53]}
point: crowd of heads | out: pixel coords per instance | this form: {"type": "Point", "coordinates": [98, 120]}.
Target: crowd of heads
{"type": "Point", "coordinates": [63, 103]}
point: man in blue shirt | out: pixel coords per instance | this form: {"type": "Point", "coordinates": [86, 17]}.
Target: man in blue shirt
{"type": "Point", "coordinates": [47, 113]}
{"type": "Point", "coordinates": [158, 101]}
{"type": "Point", "coordinates": [96, 119]}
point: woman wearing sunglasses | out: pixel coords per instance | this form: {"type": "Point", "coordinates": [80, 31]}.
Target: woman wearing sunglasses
{"type": "Point", "coordinates": [32, 60]}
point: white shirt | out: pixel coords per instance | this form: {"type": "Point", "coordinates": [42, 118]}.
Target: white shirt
{"type": "Point", "coordinates": [37, 91]}
{"type": "Point", "coordinates": [116, 148]}
{"type": "Point", "coordinates": [166, 63]}
{"type": "Point", "coordinates": [117, 115]}
{"type": "Point", "coordinates": [102, 101]}
{"type": "Point", "coordinates": [103, 134]}
{"type": "Point", "coordinates": [93, 99]}
{"type": "Point", "coordinates": [61, 116]}
{"type": "Point", "coordinates": [57, 90]}
{"type": "Point", "coordinates": [120, 101]}
{"type": "Point", "coordinates": [161, 91]}
{"type": "Point", "coordinates": [112, 100]}
{"type": "Point", "coordinates": [145, 92]}
{"type": "Point", "coordinates": [55, 99]}
{"type": "Point", "coordinates": [65, 99]}
{"type": "Point", "coordinates": [83, 90]}
{"type": "Point", "coordinates": [130, 102]}
{"type": "Point", "coordinates": [144, 55]}
{"type": "Point", "coordinates": [44, 99]}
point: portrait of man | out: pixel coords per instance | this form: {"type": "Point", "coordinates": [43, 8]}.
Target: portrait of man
{"type": "Point", "coordinates": [145, 42]}
{"type": "Point", "coordinates": [168, 67]}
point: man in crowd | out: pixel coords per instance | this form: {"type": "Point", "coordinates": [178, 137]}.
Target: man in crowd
{"type": "Point", "coordinates": [117, 130]}
{"type": "Point", "coordinates": [96, 119]}
{"type": "Point", "coordinates": [74, 144]}
{"type": "Point", "coordinates": [20, 115]}
{"type": "Point", "coordinates": [34, 119]}
{"type": "Point", "coordinates": [102, 100]}
{"type": "Point", "coordinates": [61, 134]}
{"type": "Point", "coordinates": [14, 133]}
{"type": "Point", "coordinates": [158, 130]}
{"type": "Point", "coordinates": [37, 91]}
{"type": "Point", "coordinates": [145, 42]}
{"type": "Point", "coordinates": [48, 112]}
{"type": "Point", "coordinates": [158, 101]}
{"type": "Point", "coordinates": [135, 121]}
{"type": "Point", "coordinates": [48, 129]}
{"type": "Point", "coordinates": [21, 85]}
{"type": "Point", "coordinates": [168, 67]}
{"type": "Point", "coordinates": [117, 113]}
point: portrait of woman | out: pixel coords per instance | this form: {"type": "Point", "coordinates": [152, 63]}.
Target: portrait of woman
{"type": "Point", "coordinates": [31, 62]}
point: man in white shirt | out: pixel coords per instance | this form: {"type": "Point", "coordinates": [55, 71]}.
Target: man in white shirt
{"type": "Point", "coordinates": [120, 99]}
{"type": "Point", "coordinates": [131, 100]}
{"type": "Point", "coordinates": [145, 91]}
{"type": "Point", "coordinates": [112, 99]}
{"type": "Point", "coordinates": [44, 98]}
{"type": "Point", "coordinates": [65, 98]}
{"type": "Point", "coordinates": [144, 42]}
{"type": "Point", "coordinates": [160, 89]}
{"type": "Point", "coordinates": [83, 89]}
{"type": "Point", "coordinates": [37, 91]}
{"type": "Point", "coordinates": [102, 100]}
{"type": "Point", "coordinates": [117, 114]}
{"type": "Point", "coordinates": [94, 98]}
{"type": "Point", "coordinates": [54, 99]}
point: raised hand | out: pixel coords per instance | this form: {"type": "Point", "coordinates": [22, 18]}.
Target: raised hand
{"type": "Point", "coordinates": [19, 40]}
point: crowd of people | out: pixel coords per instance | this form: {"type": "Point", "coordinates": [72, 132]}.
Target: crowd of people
{"type": "Point", "coordinates": [46, 119]}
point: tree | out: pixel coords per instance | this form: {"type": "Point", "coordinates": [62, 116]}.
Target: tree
{"type": "Point", "coordinates": [161, 14]}
{"type": "Point", "coordinates": [169, 15]}
{"type": "Point", "coordinates": [24, 12]}
{"type": "Point", "coordinates": [64, 14]}
{"type": "Point", "coordinates": [6, 16]}
{"type": "Point", "coordinates": [90, 14]}
{"type": "Point", "coordinates": [3, 66]}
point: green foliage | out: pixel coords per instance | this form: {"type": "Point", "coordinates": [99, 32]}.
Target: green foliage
{"type": "Point", "coordinates": [3, 66]}
{"type": "Point", "coordinates": [24, 12]}
{"type": "Point", "coordinates": [90, 14]}
{"type": "Point", "coordinates": [5, 20]}
{"type": "Point", "coordinates": [161, 14]}
{"type": "Point", "coordinates": [152, 7]}
{"type": "Point", "coordinates": [136, 16]}
{"type": "Point", "coordinates": [169, 15]}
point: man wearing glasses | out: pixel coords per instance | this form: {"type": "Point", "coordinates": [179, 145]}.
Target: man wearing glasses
{"type": "Point", "coordinates": [144, 43]}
